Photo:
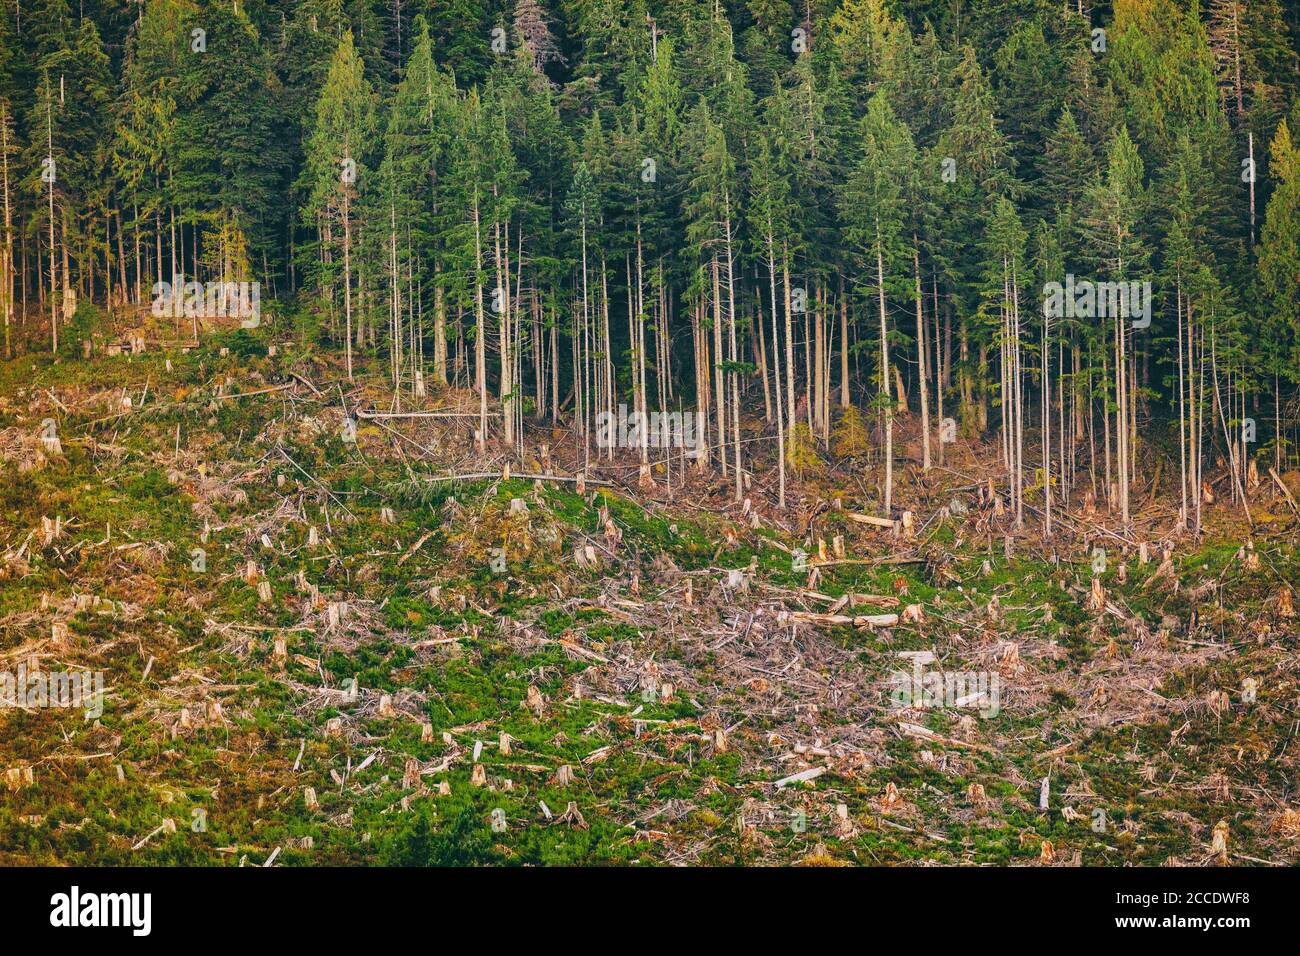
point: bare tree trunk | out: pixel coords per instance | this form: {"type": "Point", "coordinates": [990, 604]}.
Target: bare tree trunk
{"type": "Point", "coordinates": [760, 346]}
{"type": "Point", "coordinates": [1198, 405]}
{"type": "Point", "coordinates": [789, 338]}
{"type": "Point", "coordinates": [734, 353]}
{"type": "Point", "coordinates": [1277, 425]}
{"type": "Point", "coordinates": [819, 352]}
{"type": "Point", "coordinates": [347, 277]}
{"type": "Point", "coordinates": [606, 349]}
{"type": "Point", "coordinates": [394, 303]}
{"type": "Point", "coordinates": [1122, 410]}
{"type": "Point", "coordinates": [884, 378]}
{"type": "Point", "coordinates": [439, 329]}
{"type": "Point", "coordinates": [699, 340]}
{"type": "Point", "coordinates": [716, 367]}
{"type": "Point", "coordinates": [1017, 379]}
{"type": "Point", "coordinates": [49, 139]}
{"type": "Point", "coordinates": [1182, 410]}
{"type": "Point", "coordinates": [920, 361]}
{"type": "Point", "coordinates": [580, 386]}
{"type": "Point", "coordinates": [638, 370]}
{"type": "Point", "coordinates": [480, 337]}
{"type": "Point", "coordinates": [844, 346]}
{"type": "Point", "coordinates": [7, 272]}
{"type": "Point", "coordinates": [941, 371]}
{"type": "Point", "coordinates": [1046, 401]}
{"type": "Point", "coordinates": [1223, 421]}
{"type": "Point", "coordinates": [776, 361]}
{"type": "Point", "coordinates": [503, 299]}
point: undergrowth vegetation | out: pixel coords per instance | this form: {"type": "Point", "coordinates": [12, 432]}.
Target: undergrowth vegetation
{"type": "Point", "coordinates": [328, 649]}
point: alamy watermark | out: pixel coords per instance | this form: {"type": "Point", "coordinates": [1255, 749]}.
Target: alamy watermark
{"type": "Point", "coordinates": [209, 300]}
{"type": "Point", "coordinates": [37, 690]}
{"type": "Point", "coordinates": [623, 429]}
{"type": "Point", "coordinates": [1085, 299]}
{"type": "Point", "coordinates": [919, 689]}
{"type": "Point", "coordinates": [73, 909]}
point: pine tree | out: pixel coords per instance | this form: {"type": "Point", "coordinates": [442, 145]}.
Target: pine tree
{"type": "Point", "coordinates": [407, 209]}
{"type": "Point", "coordinates": [227, 161]}
{"type": "Point", "coordinates": [336, 165]}
{"type": "Point", "coordinates": [1068, 163]}
{"type": "Point", "coordinates": [1279, 254]}
{"type": "Point", "coordinates": [872, 204]}
{"type": "Point", "coordinates": [1117, 203]}
{"type": "Point", "coordinates": [712, 231]}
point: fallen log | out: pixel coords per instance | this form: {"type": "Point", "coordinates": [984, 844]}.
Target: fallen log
{"type": "Point", "coordinates": [889, 523]}
{"type": "Point", "coordinates": [1286, 492]}
{"type": "Point", "coordinates": [259, 391]}
{"type": "Point", "coordinates": [853, 599]}
{"type": "Point", "coordinates": [480, 475]}
{"type": "Point", "coordinates": [368, 414]}
{"type": "Point", "coordinates": [832, 620]}
{"type": "Point", "coordinates": [414, 548]}
{"type": "Point", "coordinates": [804, 775]}
{"type": "Point", "coordinates": [925, 733]}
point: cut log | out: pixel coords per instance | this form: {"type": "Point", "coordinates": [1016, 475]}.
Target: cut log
{"type": "Point", "coordinates": [833, 620]}
{"type": "Point", "coordinates": [925, 733]}
{"type": "Point", "coordinates": [802, 777]}
{"type": "Point", "coordinates": [1286, 492]}
{"type": "Point", "coordinates": [888, 523]}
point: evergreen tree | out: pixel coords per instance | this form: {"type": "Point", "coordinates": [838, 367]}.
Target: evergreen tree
{"type": "Point", "coordinates": [873, 209]}
{"type": "Point", "coordinates": [1279, 256]}
{"type": "Point", "coordinates": [337, 168]}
